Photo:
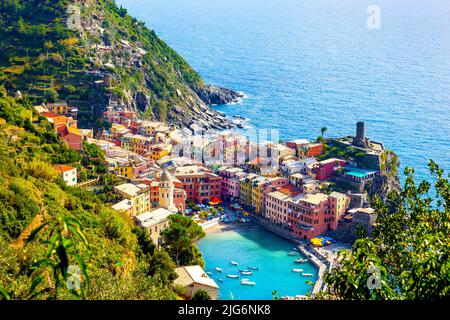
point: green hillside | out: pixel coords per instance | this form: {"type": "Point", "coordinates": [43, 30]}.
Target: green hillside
{"type": "Point", "coordinates": [51, 50]}
{"type": "Point", "coordinates": [116, 259]}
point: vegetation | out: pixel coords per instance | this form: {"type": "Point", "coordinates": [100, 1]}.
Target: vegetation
{"type": "Point", "coordinates": [47, 55]}
{"type": "Point", "coordinates": [52, 235]}
{"type": "Point", "coordinates": [409, 254]}
{"type": "Point", "coordinates": [201, 295]}
{"type": "Point", "coordinates": [178, 241]}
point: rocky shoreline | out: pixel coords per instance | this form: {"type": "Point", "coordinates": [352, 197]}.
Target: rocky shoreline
{"type": "Point", "coordinates": [213, 95]}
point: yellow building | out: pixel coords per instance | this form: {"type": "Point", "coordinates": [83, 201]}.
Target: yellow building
{"type": "Point", "coordinates": [139, 195]}
{"type": "Point", "coordinates": [245, 186]}
{"type": "Point", "coordinates": [125, 170]}
{"type": "Point", "coordinates": [157, 153]}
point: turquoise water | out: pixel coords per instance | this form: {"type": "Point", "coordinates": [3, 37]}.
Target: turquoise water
{"type": "Point", "coordinates": [305, 64]}
{"type": "Point", "coordinates": [254, 247]}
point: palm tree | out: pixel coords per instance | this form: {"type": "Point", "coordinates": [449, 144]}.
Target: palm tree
{"type": "Point", "coordinates": [323, 130]}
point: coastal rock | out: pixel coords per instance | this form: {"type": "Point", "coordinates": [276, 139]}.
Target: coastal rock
{"type": "Point", "coordinates": [213, 95]}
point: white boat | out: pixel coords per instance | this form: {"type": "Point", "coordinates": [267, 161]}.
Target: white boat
{"type": "Point", "coordinates": [293, 253]}
{"type": "Point", "coordinates": [220, 280]}
{"type": "Point", "coordinates": [209, 273]}
{"type": "Point", "coordinates": [300, 260]}
{"type": "Point", "coordinates": [246, 272]}
{"type": "Point", "coordinates": [218, 269]}
{"type": "Point", "coordinates": [248, 282]}
{"type": "Point", "coordinates": [234, 263]}
{"type": "Point", "coordinates": [297, 270]}
{"type": "Point", "coordinates": [307, 274]}
{"type": "Point", "coordinates": [233, 276]}
{"type": "Point", "coordinates": [295, 249]}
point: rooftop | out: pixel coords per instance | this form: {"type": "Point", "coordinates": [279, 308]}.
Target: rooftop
{"type": "Point", "coordinates": [194, 274]}
{"type": "Point", "coordinates": [151, 218]}
{"type": "Point", "coordinates": [63, 168]}
{"type": "Point", "coordinates": [130, 189]}
{"type": "Point", "coordinates": [123, 205]}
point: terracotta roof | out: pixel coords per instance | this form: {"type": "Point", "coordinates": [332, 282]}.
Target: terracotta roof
{"type": "Point", "coordinates": [63, 168]}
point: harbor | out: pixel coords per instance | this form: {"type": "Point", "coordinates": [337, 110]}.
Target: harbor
{"type": "Point", "coordinates": [254, 262]}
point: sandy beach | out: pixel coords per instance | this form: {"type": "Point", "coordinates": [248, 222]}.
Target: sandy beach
{"type": "Point", "coordinates": [223, 227]}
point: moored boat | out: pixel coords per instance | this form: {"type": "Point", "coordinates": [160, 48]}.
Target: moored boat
{"type": "Point", "coordinates": [234, 263]}
{"type": "Point", "coordinates": [220, 280]}
{"type": "Point", "coordinates": [209, 273]}
{"type": "Point", "coordinates": [300, 260]}
{"type": "Point", "coordinates": [218, 269]}
{"type": "Point", "coordinates": [307, 274]}
{"type": "Point", "coordinates": [246, 272]}
{"type": "Point", "coordinates": [233, 276]}
{"type": "Point", "coordinates": [248, 282]}
{"type": "Point", "coordinates": [293, 253]}
{"type": "Point", "coordinates": [297, 270]}
{"type": "Point", "coordinates": [253, 268]}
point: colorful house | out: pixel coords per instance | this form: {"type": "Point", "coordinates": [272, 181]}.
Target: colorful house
{"type": "Point", "coordinates": [68, 173]}
{"type": "Point", "coordinates": [199, 183]}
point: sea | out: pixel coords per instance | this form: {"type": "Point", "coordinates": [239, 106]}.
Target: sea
{"type": "Point", "coordinates": [308, 64]}
{"type": "Point", "coordinates": [255, 247]}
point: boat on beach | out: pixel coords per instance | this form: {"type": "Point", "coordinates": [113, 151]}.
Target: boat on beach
{"type": "Point", "coordinates": [248, 282]}
{"type": "Point", "coordinates": [218, 269]}
{"type": "Point", "coordinates": [297, 270]}
{"type": "Point", "coordinates": [234, 263]}
{"type": "Point", "coordinates": [233, 276]}
{"type": "Point", "coordinates": [300, 260]}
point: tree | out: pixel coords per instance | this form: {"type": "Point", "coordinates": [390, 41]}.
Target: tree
{"type": "Point", "coordinates": [323, 130]}
{"type": "Point", "coordinates": [409, 254]}
{"type": "Point", "coordinates": [162, 267]}
{"type": "Point", "coordinates": [201, 295]}
{"type": "Point", "coordinates": [178, 240]}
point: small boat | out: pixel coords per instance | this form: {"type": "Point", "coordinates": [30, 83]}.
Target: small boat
{"type": "Point", "coordinates": [246, 272]}
{"type": "Point", "coordinates": [295, 249]}
{"type": "Point", "coordinates": [248, 282]}
{"type": "Point", "coordinates": [253, 268]}
{"type": "Point", "coordinates": [220, 280]}
{"type": "Point", "coordinates": [209, 273]}
{"type": "Point", "coordinates": [300, 260]}
{"type": "Point", "coordinates": [234, 263]}
{"type": "Point", "coordinates": [293, 253]}
{"type": "Point", "coordinates": [297, 270]}
{"type": "Point", "coordinates": [233, 276]}
{"type": "Point", "coordinates": [218, 269]}
{"type": "Point", "coordinates": [307, 274]}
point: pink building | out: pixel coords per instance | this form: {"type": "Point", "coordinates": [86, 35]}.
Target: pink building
{"type": "Point", "coordinates": [313, 214]}
{"type": "Point", "coordinates": [199, 183]}
{"type": "Point", "coordinates": [277, 205]}
{"type": "Point", "coordinates": [270, 186]}
{"type": "Point", "coordinates": [326, 169]}
{"type": "Point", "coordinates": [231, 176]}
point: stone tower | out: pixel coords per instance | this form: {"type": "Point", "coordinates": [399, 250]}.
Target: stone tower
{"type": "Point", "coordinates": [360, 139]}
{"type": "Point", "coordinates": [166, 189]}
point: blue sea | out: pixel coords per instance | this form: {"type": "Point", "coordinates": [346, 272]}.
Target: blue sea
{"type": "Point", "coordinates": [306, 64]}
{"type": "Point", "coordinates": [255, 247]}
